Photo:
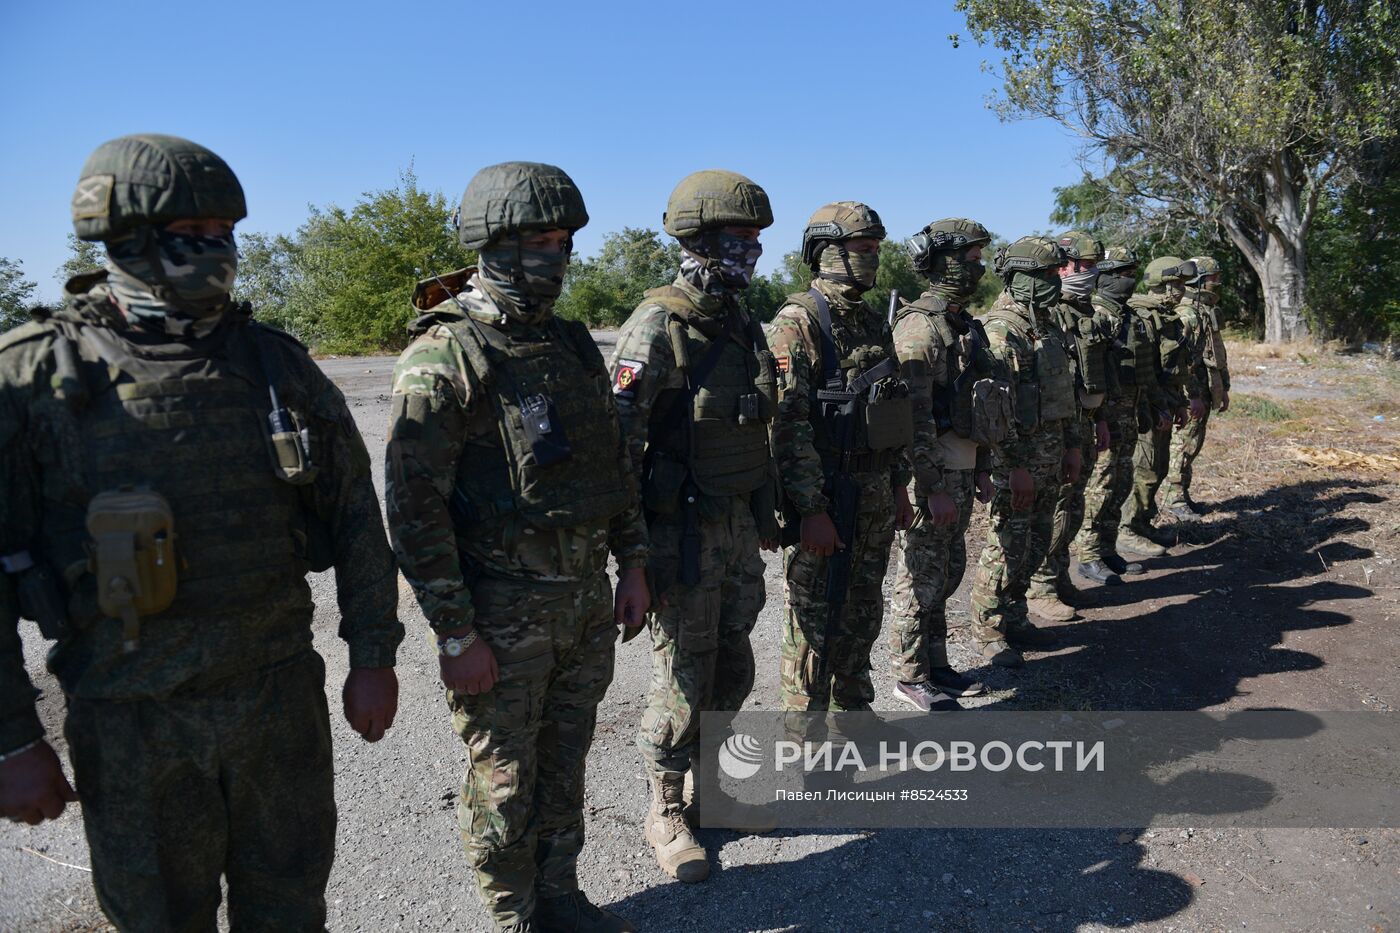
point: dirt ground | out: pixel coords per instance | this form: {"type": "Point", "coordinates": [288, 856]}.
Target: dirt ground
{"type": "Point", "coordinates": [1286, 595]}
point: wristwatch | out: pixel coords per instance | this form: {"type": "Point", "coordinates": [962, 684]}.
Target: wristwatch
{"type": "Point", "coordinates": [453, 647]}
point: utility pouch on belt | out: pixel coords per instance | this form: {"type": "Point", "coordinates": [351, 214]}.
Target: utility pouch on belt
{"type": "Point", "coordinates": [889, 422]}
{"type": "Point", "coordinates": [133, 556]}
{"type": "Point", "coordinates": [993, 412]}
{"type": "Point", "coordinates": [543, 430]}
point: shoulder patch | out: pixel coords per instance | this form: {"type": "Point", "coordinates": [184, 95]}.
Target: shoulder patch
{"type": "Point", "coordinates": [93, 198]}
{"type": "Point", "coordinates": [784, 363]}
{"type": "Point", "coordinates": [625, 379]}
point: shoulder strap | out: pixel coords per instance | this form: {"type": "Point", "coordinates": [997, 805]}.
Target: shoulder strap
{"type": "Point", "coordinates": [831, 364]}
{"type": "Point", "coordinates": [578, 338]}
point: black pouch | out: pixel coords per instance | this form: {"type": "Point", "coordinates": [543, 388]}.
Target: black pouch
{"type": "Point", "coordinates": [661, 484]}
{"type": "Point", "coordinates": [542, 428]}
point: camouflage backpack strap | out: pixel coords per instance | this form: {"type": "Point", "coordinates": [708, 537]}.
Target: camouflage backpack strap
{"type": "Point", "coordinates": [675, 301]}
{"type": "Point", "coordinates": [1013, 321]}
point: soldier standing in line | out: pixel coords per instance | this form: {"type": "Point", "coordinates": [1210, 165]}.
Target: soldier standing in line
{"type": "Point", "coordinates": [508, 483]}
{"type": "Point", "coordinates": [172, 470]}
{"type": "Point", "coordinates": [1043, 454]}
{"type": "Point", "coordinates": [696, 389]}
{"type": "Point", "coordinates": [843, 426]}
{"type": "Point", "coordinates": [1209, 383]}
{"type": "Point", "coordinates": [960, 412]}
{"type": "Point", "coordinates": [1157, 310]}
{"type": "Point", "coordinates": [1052, 594]}
{"type": "Point", "coordinates": [1137, 403]}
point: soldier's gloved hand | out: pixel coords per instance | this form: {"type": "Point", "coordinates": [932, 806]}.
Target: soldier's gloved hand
{"type": "Point", "coordinates": [1022, 486]}
{"type": "Point", "coordinates": [819, 535]}
{"type": "Point", "coordinates": [371, 698]}
{"type": "Point", "coordinates": [1197, 409]}
{"type": "Point", "coordinates": [985, 489]}
{"type": "Point", "coordinates": [1164, 420]}
{"type": "Point", "coordinates": [942, 510]}
{"type": "Point", "coordinates": [1073, 462]}
{"type": "Point", "coordinates": [1224, 401]}
{"type": "Point", "coordinates": [903, 509]}
{"type": "Point", "coordinates": [471, 672]}
{"type": "Point", "coordinates": [1101, 436]}
{"type": "Point", "coordinates": [1179, 418]}
{"type": "Point", "coordinates": [633, 598]}
{"type": "Point", "coordinates": [33, 787]}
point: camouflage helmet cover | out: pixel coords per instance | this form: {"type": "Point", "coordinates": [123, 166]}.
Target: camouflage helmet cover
{"type": "Point", "coordinates": [149, 179]}
{"type": "Point", "coordinates": [1166, 269]}
{"type": "Point", "coordinates": [714, 198]}
{"type": "Point", "coordinates": [1029, 254]}
{"type": "Point", "coordinates": [1118, 258]}
{"type": "Point", "coordinates": [839, 220]}
{"type": "Point", "coordinates": [1081, 246]}
{"type": "Point", "coordinates": [951, 233]}
{"type": "Point", "coordinates": [516, 197]}
{"type": "Point", "coordinates": [1204, 266]}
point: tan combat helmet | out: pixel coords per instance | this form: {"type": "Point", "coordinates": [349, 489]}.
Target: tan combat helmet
{"type": "Point", "coordinates": [839, 220]}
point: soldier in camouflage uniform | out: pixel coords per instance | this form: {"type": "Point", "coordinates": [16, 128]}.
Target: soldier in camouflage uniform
{"type": "Point", "coordinates": [1043, 454]}
{"type": "Point", "coordinates": [825, 340]}
{"type": "Point", "coordinates": [1137, 399]}
{"type": "Point", "coordinates": [508, 483]}
{"type": "Point", "coordinates": [1209, 383]}
{"type": "Point", "coordinates": [943, 356]}
{"type": "Point", "coordinates": [1052, 593]}
{"type": "Point", "coordinates": [160, 521]}
{"type": "Point", "coordinates": [1157, 311]}
{"type": "Point", "coordinates": [696, 389]}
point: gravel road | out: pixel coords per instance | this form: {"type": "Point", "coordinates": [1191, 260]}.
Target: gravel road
{"type": "Point", "coordinates": [399, 864]}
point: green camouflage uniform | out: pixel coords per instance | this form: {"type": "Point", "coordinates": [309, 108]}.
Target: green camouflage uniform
{"type": "Point", "coordinates": [538, 595]}
{"type": "Point", "coordinates": [1139, 391]}
{"type": "Point", "coordinates": [701, 657]}
{"type": "Point", "coordinates": [1209, 376]}
{"type": "Point", "coordinates": [931, 560]}
{"type": "Point", "coordinates": [1150, 460]}
{"type": "Point", "coordinates": [207, 749]}
{"type": "Point", "coordinates": [1017, 541]}
{"type": "Point", "coordinates": [802, 446]}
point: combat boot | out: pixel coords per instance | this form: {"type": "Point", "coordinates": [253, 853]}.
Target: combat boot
{"type": "Point", "coordinates": [739, 817]}
{"type": "Point", "coordinates": [1068, 593]}
{"type": "Point", "coordinates": [1051, 608]}
{"type": "Point", "coordinates": [1121, 566]}
{"type": "Point", "coordinates": [1001, 654]}
{"type": "Point", "coordinates": [1025, 635]}
{"type": "Point", "coordinates": [1133, 542]}
{"type": "Point", "coordinates": [1180, 512]}
{"type": "Point", "coordinates": [1100, 572]}
{"type": "Point", "coordinates": [574, 913]}
{"type": "Point", "coordinates": [524, 926]}
{"type": "Point", "coordinates": [677, 851]}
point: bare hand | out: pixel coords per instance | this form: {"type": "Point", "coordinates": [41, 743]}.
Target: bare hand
{"type": "Point", "coordinates": [985, 489]}
{"type": "Point", "coordinates": [473, 671]}
{"type": "Point", "coordinates": [1197, 409]}
{"type": "Point", "coordinates": [1072, 462]}
{"type": "Point", "coordinates": [942, 510]}
{"type": "Point", "coordinates": [1022, 486]}
{"type": "Point", "coordinates": [33, 787]}
{"type": "Point", "coordinates": [1179, 417]}
{"type": "Point", "coordinates": [819, 535]}
{"type": "Point", "coordinates": [632, 599]}
{"type": "Point", "coordinates": [903, 509]}
{"type": "Point", "coordinates": [1224, 401]}
{"type": "Point", "coordinates": [371, 698]}
{"type": "Point", "coordinates": [1102, 438]}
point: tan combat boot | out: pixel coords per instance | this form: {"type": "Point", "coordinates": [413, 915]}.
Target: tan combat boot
{"type": "Point", "coordinates": [677, 851]}
{"type": "Point", "coordinates": [1051, 608]}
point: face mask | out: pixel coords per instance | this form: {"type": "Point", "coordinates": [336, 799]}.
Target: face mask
{"type": "Point", "coordinates": [175, 283]}
{"type": "Point", "coordinates": [857, 271]}
{"type": "Point", "coordinates": [1033, 291]}
{"type": "Point", "coordinates": [1078, 284]}
{"type": "Point", "coordinates": [721, 262]}
{"type": "Point", "coordinates": [523, 283]}
{"type": "Point", "coordinates": [1117, 288]}
{"type": "Point", "coordinates": [959, 277]}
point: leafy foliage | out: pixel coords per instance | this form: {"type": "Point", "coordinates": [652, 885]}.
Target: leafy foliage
{"type": "Point", "coordinates": [603, 290]}
{"type": "Point", "coordinates": [83, 256]}
{"type": "Point", "coordinates": [16, 294]}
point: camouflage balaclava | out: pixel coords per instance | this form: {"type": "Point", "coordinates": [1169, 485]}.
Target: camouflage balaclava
{"type": "Point", "coordinates": [940, 253]}
{"type": "Point", "coordinates": [700, 207]}
{"type": "Point", "coordinates": [523, 283]}
{"type": "Point", "coordinates": [172, 283]}
{"type": "Point", "coordinates": [719, 263]}
{"type": "Point", "coordinates": [1205, 285]}
{"type": "Point", "coordinates": [826, 247]}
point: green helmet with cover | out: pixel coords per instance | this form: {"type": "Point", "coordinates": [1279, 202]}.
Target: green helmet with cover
{"type": "Point", "coordinates": [1029, 254]}
{"type": "Point", "coordinates": [511, 198]}
{"type": "Point", "coordinates": [713, 198]}
{"type": "Point", "coordinates": [1118, 259]}
{"type": "Point", "coordinates": [149, 180]}
{"type": "Point", "coordinates": [1205, 266]}
{"type": "Point", "coordinates": [1167, 269]}
{"type": "Point", "coordinates": [943, 236]}
{"type": "Point", "coordinates": [1080, 246]}
{"type": "Point", "coordinates": [839, 220]}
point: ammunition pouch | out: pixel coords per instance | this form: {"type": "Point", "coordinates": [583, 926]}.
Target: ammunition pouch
{"type": "Point", "coordinates": [993, 411]}
{"type": "Point", "coordinates": [888, 423]}
{"type": "Point", "coordinates": [133, 556]}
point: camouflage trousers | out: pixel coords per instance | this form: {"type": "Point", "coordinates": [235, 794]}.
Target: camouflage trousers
{"type": "Point", "coordinates": [1110, 482]}
{"type": "Point", "coordinates": [1017, 543]}
{"type": "Point", "coordinates": [701, 659]}
{"type": "Point", "coordinates": [929, 567]}
{"type": "Point", "coordinates": [1149, 469]}
{"type": "Point", "coordinates": [527, 738]}
{"type": "Point", "coordinates": [1186, 446]}
{"type": "Point", "coordinates": [235, 780]}
{"type": "Point", "coordinates": [1069, 517]}
{"type": "Point", "coordinates": [829, 668]}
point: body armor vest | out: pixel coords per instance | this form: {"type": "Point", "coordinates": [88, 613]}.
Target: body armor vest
{"type": "Point", "coordinates": [1045, 381]}
{"type": "Point", "coordinates": [1213, 344]}
{"type": "Point", "coordinates": [557, 461]}
{"type": "Point", "coordinates": [975, 404]}
{"type": "Point", "coordinates": [1171, 349]}
{"type": "Point", "coordinates": [188, 425]}
{"type": "Point", "coordinates": [885, 417]}
{"type": "Point", "coordinates": [1135, 341]}
{"type": "Point", "coordinates": [728, 451]}
{"type": "Point", "coordinates": [1089, 344]}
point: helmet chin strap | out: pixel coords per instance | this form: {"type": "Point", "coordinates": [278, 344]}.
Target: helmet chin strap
{"type": "Point", "coordinates": [849, 278]}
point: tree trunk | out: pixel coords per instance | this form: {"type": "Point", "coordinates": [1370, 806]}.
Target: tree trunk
{"type": "Point", "coordinates": [1283, 278]}
{"type": "Point", "coordinates": [1275, 250]}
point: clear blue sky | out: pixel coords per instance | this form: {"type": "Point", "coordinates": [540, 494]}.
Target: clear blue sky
{"type": "Point", "coordinates": [313, 103]}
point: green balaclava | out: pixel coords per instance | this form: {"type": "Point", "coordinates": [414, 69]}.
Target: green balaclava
{"type": "Point", "coordinates": [523, 283]}
{"type": "Point", "coordinates": [1028, 266]}
{"type": "Point", "coordinates": [939, 252]}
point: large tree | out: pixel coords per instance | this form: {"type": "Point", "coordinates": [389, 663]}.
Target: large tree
{"type": "Point", "coordinates": [1240, 112]}
{"type": "Point", "coordinates": [16, 294]}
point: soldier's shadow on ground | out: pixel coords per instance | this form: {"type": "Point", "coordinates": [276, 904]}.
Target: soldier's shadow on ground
{"type": "Point", "coordinates": [1226, 608]}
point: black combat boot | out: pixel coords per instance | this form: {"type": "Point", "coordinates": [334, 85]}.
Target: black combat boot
{"type": "Point", "coordinates": [1121, 566]}
{"type": "Point", "coordinates": [1100, 572]}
